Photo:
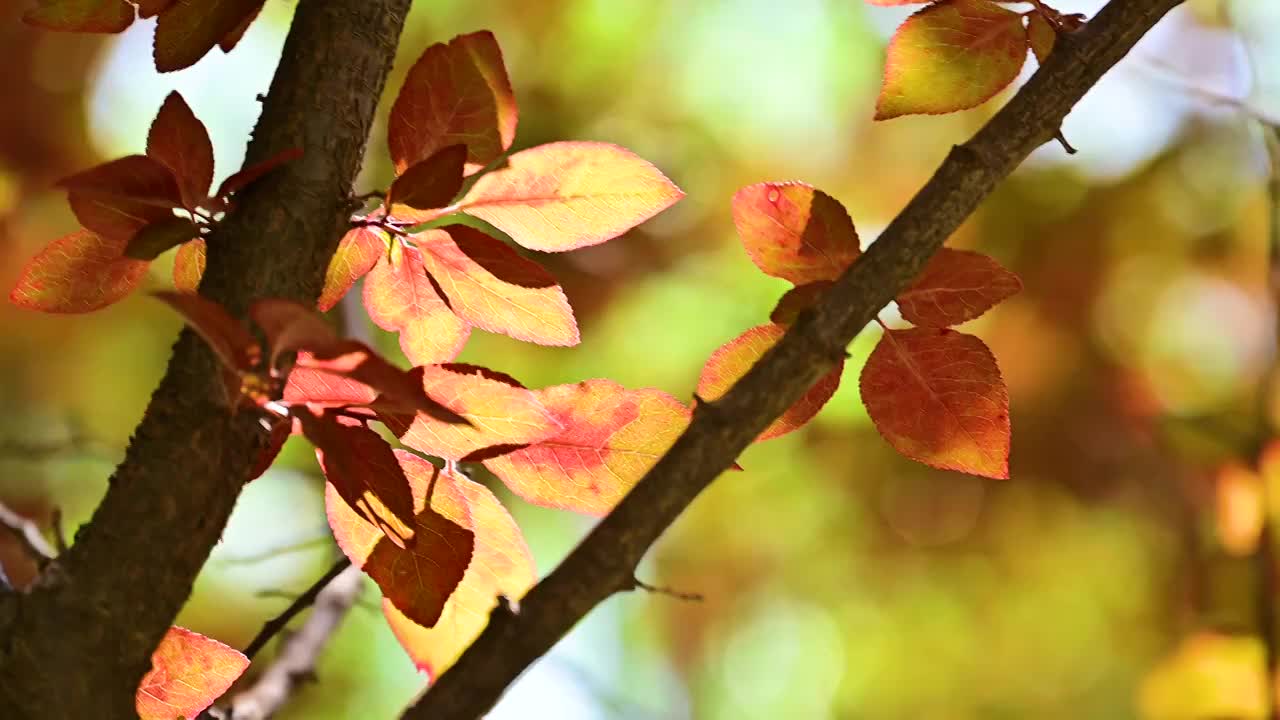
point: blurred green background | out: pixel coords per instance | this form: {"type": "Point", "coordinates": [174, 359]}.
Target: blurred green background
{"type": "Point", "coordinates": [840, 580]}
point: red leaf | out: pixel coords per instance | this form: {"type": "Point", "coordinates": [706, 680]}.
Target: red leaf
{"type": "Point", "coordinates": [567, 195]}
{"type": "Point", "coordinates": [797, 300]}
{"type": "Point", "coordinates": [795, 232]}
{"type": "Point", "coordinates": [500, 565]}
{"type": "Point", "coordinates": [231, 39]}
{"type": "Point", "coordinates": [357, 253]}
{"type": "Point", "coordinates": [350, 374]}
{"type": "Point", "coordinates": [281, 428]}
{"type": "Point", "coordinates": [427, 185]}
{"type": "Point", "coordinates": [180, 142]}
{"type": "Point", "coordinates": [77, 273]}
{"type": "Point", "coordinates": [955, 287]}
{"type": "Point", "coordinates": [401, 298]}
{"type": "Point", "coordinates": [189, 29]}
{"type": "Point", "coordinates": [119, 198]}
{"type": "Point", "coordinates": [188, 265]}
{"type": "Point", "coordinates": [188, 672]}
{"type": "Point", "coordinates": [160, 236]}
{"type": "Point", "coordinates": [419, 578]}
{"type": "Point", "coordinates": [151, 8]}
{"type": "Point", "coordinates": [489, 285]}
{"type": "Point", "coordinates": [937, 397]}
{"type": "Point", "coordinates": [611, 437]}
{"type": "Point", "coordinates": [732, 360]}
{"type": "Point", "coordinates": [1040, 36]}
{"type": "Point", "coordinates": [96, 16]}
{"type": "Point", "coordinates": [291, 326]}
{"type": "Point", "coordinates": [952, 55]}
{"type": "Point", "coordinates": [455, 94]}
{"type": "Point", "coordinates": [228, 339]}
{"type": "Point", "coordinates": [241, 180]}
{"type": "Point", "coordinates": [498, 413]}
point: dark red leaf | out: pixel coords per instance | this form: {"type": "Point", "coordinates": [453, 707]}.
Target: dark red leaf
{"type": "Point", "coordinates": [228, 339]}
{"type": "Point", "coordinates": [427, 185]}
{"type": "Point", "coordinates": [240, 180]}
{"type": "Point", "coordinates": [181, 143]}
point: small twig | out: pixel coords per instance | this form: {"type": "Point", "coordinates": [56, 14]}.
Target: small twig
{"type": "Point", "coordinates": [303, 601]}
{"type": "Point", "coordinates": [1062, 140]}
{"type": "Point", "coordinates": [637, 584]}
{"type": "Point", "coordinates": [28, 533]}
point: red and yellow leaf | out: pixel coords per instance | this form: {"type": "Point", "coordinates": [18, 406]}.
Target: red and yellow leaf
{"type": "Point", "coordinates": [364, 473]}
{"type": "Point", "coordinates": [937, 396]}
{"type": "Point", "coordinates": [567, 195]}
{"type": "Point", "coordinates": [500, 565]}
{"type": "Point", "coordinates": [401, 298]}
{"type": "Point", "coordinates": [78, 273]}
{"type": "Point", "coordinates": [188, 265]}
{"type": "Point", "coordinates": [419, 578]}
{"type": "Point", "coordinates": [188, 672]}
{"type": "Point", "coordinates": [456, 94]}
{"type": "Point", "coordinates": [188, 29]}
{"type": "Point", "coordinates": [955, 287]}
{"type": "Point", "coordinates": [499, 413]}
{"type": "Point", "coordinates": [795, 232]}
{"type": "Point", "coordinates": [95, 16]}
{"type": "Point", "coordinates": [181, 143]}
{"type": "Point", "coordinates": [427, 185]}
{"type": "Point", "coordinates": [952, 55]}
{"type": "Point", "coordinates": [611, 437]}
{"type": "Point", "coordinates": [732, 360]}
{"type": "Point", "coordinates": [350, 374]}
{"type": "Point", "coordinates": [226, 336]}
{"type": "Point", "coordinates": [797, 300]}
{"type": "Point", "coordinates": [244, 177]}
{"type": "Point", "coordinates": [492, 287]}
{"type": "Point", "coordinates": [357, 253]}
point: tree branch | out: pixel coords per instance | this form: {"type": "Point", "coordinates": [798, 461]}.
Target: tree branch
{"type": "Point", "coordinates": [77, 645]}
{"type": "Point", "coordinates": [606, 559]}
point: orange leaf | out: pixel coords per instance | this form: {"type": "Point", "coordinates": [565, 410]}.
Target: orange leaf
{"type": "Point", "coordinates": [955, 287]}
{"type": "Point", "coordinates": [188, 265]}
{"type": "Point", "coordinates": [455, 94]}
{"type": "Point", "coordinates": [241, 180]}
{"type": "Point", "coordinates": [160, 236]}
{"type": "Point", "coordinates": [77, 273]}
{"type": "Point", "coordinates": [188, 672]}
{"type": "Point", "coordinates": [500, 413]}
{"type": "Point", "coordinates": [187, 30]}
{"type": "Point", "coordinates": [1040, 36]}
{"type": "Point", "coordinates": [228, 339]}
{"type": "Point", "coordinates": [936, 395]}
{"type": "Point", "coordinates": [795, 232]}
{"type": "Point", "coordinates": [952, 55]}
{"type": "Point", "coordinates": [567, 195]}
{"type": "Point", "coordinates": [181, 143]}
{"type": "Point", "coordinates": [491, 286]}
{"type": "Point", "coordinates": [611, 437]}
{"type": "Point", "coordinates": [401, 298]}
{"type": "Point", "coordinates": [1239, 502]}
{"type": "Point", "coordinates": [733, 359]}
{"type": "Point", "coordinates": [427, 185]}
{"type": "Point", "coordinates": [797, 300]}
{"type": "Point", "coordinates": [96, 16]}
{"type": "Point", "coordinates": [357, 253]}
{"type": "Point", "coordinates": [418, 578]}
{"type": "Point", "coordinates": [501, 565]}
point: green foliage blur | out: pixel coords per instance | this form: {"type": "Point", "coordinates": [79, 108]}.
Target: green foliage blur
{"type": "Point", "coordinates": [839, 579]}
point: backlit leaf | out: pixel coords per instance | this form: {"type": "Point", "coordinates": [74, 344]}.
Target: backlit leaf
{"type": "Point", "coordinates": [151, 8]}
{"type": "Point", "coordinates": [501, 565]}
{"type": "Point", "coordinates": [456, 94]}
{"type": "Point", "coordinates": [427, 185]}
{"type": "Point", "coordinates": [612, 436]}
{"type": "Point", "coordinates": [226, 336]}
{"type": "Point", "coordinates": [491, 286]}
{"type": "Point", "coordinates": [190, 28]}
{"type": "Point", "coordinates": [231, 39]}
{"type": "Point", "coordinates": [732, 360]}
{"type": "Point", "coordinates": [351, 374]}
{"type": "Point", "coordinates": [500, 413]}
{"type": "Point", "coordinates": [77, 273]}
{"type": "Point", "coordinates": [794, 231]}
{"type": "Point", "coordinates": [400, 297]}
{"type": "Point", "coordinates": [567, 195]}
{"type": "Point", "coordinates": [188, 672]}
{"type": "Point", "coordinates": [797, 300]}
{"type": "Point", "coordinates": [97, 16]}
{"type": "Point", "coordinates": [362, 469]}
{"type": "Point", "coordinates": [955, 287]}
{"type": "Point", "coordinates": [952, 55]}
{"type": "Point", "coordinates": [181, 143]}
{"type": "Point", "coordinates": [937, 396]}
{"type": "Point", "coordinates": [159, 237]}
{"type": "Point", "coordinates": [241, 180]}
{"type": "Point", "coordinates": [357, 253]}
{"type": "Point", "coordinates": [188, 265]}
{"type": "Point", "coordinates": [419, 578]}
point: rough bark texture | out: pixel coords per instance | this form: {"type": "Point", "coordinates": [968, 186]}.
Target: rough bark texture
{"type": "Point", "coordinates": [76, 646]}
{"type": "Point", "coordinates": [605, 561]}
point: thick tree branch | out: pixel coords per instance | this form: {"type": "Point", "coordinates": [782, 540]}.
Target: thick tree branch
{"type": "Point", "coordinates": [79, 642]}
{"type": "Point", "coordinates": [605, 560]}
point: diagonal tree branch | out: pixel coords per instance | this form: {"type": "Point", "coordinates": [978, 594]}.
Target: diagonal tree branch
{"type": "Point", "coordinates": [605, 560]}
{"type": "Point", "coordinates": [79, 642]}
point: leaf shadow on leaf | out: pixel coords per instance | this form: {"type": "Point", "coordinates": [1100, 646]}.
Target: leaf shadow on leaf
{"type": "Point", "coordinates": [488, 252]}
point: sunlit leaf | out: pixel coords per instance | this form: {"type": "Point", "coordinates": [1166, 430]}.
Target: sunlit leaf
{"type": "Point", "coordinates": [188, 672]}
{"type": "Point", "coordinates": [456, 94]}
{"type": "Point", "coordinates": [611, 437]}
{"type": "Point", "coordinates": [188, 265]}
{"type": "Point", "coordinates": [77, 273]}
{"type": "Point", "coordinates": [732, 360]}
{"type": "Point", "coordinates": [952, 55]}
{"type": "Point", "coordinates": [794, 231]}
{"type": "Point", "coordinates": [97, 16]}
{"type": "Point", "coordinates": [567, 195]}
{"type": "Point", "coordinates": [400, 297]}
{"type": "Point", "coordinates": [357, 253]}
{"type": "Point", "coordinates": [955, 287]}
{"type": "Point", "coordinates": [225, 335]}
{"type": "Point", "coordinates": [181, 143]}
{"type": "Point", "coordinates": [188, 29]}
{"type": "Point", "coordinates": [351, 374]}
{"type": "Point", "coordinates": [937, 396]}
{"type": "Point", "coordinates": [491, 286]}
{"type": "Point", "coordinates": [427, 185]}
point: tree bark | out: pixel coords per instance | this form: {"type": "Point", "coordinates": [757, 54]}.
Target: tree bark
{"type": "Point", "coordinates": [78, 643]}
{"type": "Point", "coordinates": [605, 561]}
